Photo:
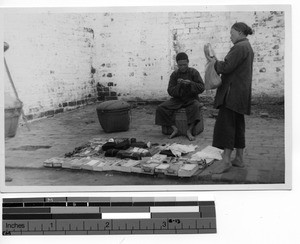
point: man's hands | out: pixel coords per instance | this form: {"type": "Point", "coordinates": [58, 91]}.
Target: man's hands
{"type": "Point", "coordinates": [184, 82]}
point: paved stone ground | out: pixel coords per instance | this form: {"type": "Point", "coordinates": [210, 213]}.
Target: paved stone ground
{"type": "Point", "coordinates": [24, 154]}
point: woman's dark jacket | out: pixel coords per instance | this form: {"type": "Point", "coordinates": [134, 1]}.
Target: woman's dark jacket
{"type": "Point", "coordinates": [236, 70]}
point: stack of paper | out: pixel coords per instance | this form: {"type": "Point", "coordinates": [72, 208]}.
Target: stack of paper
{"type": "Point", "coordinates": [149, 168]}
{"type": "Point", "coordinates": [108, 165]}
{"type": "Point", "coordinates": [187, 170]}
{"type": "Point", "coordinates": [90, 164]}
{"type": "Point", "coordinates": [161, 168]}
{"type": "Point", "coordinates": [173, 169]}
{"type": "Point", "coordinates": [55, 162]}
{"type": "Point", "coordinates": [137, 168]}
{"type": "Point", "coordinates": [157, 158]}
{"type": "Point", "coordinates": [99, 166]}
{"type": "Point", "coordinates": [130, 164]}
{"type": "Point", "coordinates": [68, 164]}
{"type": "Point", "coordinates": [121, 166]}
{"type": "Point", "coordinates": [77, 164]}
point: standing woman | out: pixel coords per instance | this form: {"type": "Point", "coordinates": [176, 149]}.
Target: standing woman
{"type": "Point", "coordinates": [233, 97]}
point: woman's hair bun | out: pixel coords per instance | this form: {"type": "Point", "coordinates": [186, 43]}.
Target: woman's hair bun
{"type": "Point", "coordinates": [240, 26]}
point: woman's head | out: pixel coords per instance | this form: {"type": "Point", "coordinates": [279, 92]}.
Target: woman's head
{"type": "Point", "coordinates": [239, 31]}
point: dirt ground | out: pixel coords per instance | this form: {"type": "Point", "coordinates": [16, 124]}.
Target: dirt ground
{"type": "Point", "coordinates": [55, 136]}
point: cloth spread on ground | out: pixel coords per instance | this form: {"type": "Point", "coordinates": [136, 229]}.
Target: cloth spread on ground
{"type": "Point", "coordinates": [176, 149]}
{"type": "Point", "coordinates": [91, 156]}
{"type": "Point", "coordinates": [179, 149]}
{"type": "Point", "coordinates": [208, 153]}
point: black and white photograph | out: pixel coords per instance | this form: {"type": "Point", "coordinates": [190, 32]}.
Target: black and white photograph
{"type": "Point", "coordinates": [147, 98]}
{"type": "Point", "coordinates": [149, 121]}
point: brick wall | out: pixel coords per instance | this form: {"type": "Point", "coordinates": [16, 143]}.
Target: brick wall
{"type": "Point", "coordinates": [268, 45]}
{"type": "Point", "coordinates": [133, 52]}
{"type": "Point", "coordinates": [59, 61]}
{"type": "Point", "coordinates": [50, 60]}
{"type": "Point", "coordinates": [191, 31]}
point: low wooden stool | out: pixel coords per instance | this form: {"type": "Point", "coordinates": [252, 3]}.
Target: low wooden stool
{"type": "Point", "coordinates": [181, 123]}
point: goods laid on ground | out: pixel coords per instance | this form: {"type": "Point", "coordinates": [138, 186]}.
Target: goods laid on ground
{"type": "Point", "coordinates": [131, 156]}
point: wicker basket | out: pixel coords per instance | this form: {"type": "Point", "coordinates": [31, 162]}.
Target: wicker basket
{"type": "Point", "coordinates": [181, 124]}
{"type": "Point", "coordinates": [12, 116]}
{"type": "Point", "coordinates": [114, 116]}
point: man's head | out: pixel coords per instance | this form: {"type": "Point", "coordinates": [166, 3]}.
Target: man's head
{"type": "Point", "coordinates": [182, 60]}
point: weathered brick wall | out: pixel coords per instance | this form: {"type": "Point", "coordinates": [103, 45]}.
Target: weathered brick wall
{"type": "Point", "coordinates": [268, 44]}
{"type": "Point", "coordinates": [133, 52]}
{"type": "Point", "coordinates": [192, 30]}
{"type": "Point", "coordinates": [57, 60]}
{"type": "Point", "coordinates": [136, 51]}
{"type": "Point", "coordinates": [50, 60]}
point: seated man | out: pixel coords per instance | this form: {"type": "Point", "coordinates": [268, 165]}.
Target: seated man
{"type": "Point", "coordinates": [184, 86]}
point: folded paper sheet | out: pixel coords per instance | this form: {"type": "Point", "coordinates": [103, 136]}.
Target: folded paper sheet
{"type": "Point", "coordinates": [209, 152]}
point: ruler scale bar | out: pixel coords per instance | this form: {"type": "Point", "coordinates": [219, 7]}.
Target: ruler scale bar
{"type": "Point", "coordinates": [13, 205]}
{"type": "Point", "coordinates": [99, 204]}
{"type": "Point", "coordinates": [171, 209]}
{"type": "Point", "coordinates": [143, 204]}
{"type": "Point", "coordinates": [126, 216]}
{"type": "Point", "coordinates": [175, 215]}
{"type": "Point", "coordinates": [61, 210]}
{"type": "Point", "coordinates": [125, 209]}
{"type": "Point", "coordinates": [79, 204]}
{"type": "Point", "coordinates": [65, 201]}
{"type": "Point", "coordinates": [91, 224]}
{"type": "Point", "coordinates": [107, 216]}
{"type": "Point", "coordinates": [25, 210]}
{"type": "Point", "coordinates": [57, 204]}
{"type": "Point", "coordinates": [116, 204]}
